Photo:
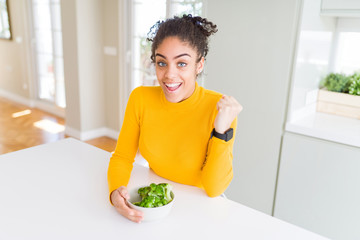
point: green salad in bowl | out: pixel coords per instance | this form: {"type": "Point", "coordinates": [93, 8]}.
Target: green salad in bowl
{"type": "Point", "coordinates": [155, 195]}
{"type": "Point", "coordinates": [154, 200]}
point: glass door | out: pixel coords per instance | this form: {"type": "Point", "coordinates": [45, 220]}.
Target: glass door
{"type": "Point", "coordinates": [46, 16]}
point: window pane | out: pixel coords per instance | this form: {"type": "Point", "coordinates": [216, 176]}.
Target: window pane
{"type": "Point", "coordinates": [59, 69]}
{"type": "Point", "coordinates": [186, 7]}
{"type": "Point", "coordinates": [56, 16]}
{"type": "Point", "coordinates": [60, 83]}
{"type": "Point", "coordinates": [146, 77]}
{"type": "Point", "coordinates": [45, 65]}
{"type": "Point", "coordinates": [4, 21]}
{"type": "Point", "coordinates": [58, 43]}
{"type": "Point", "coordinates": [47, 89]}
{"type": "Point", "coordinates": [49, 51]}
{"type": "Point", "coordinates": [43, 41]}
{"type": "Point", "coordinates": [147, 13]}
{"type": "Point", "coordinates": [348, 60]}
{"type": "Point", "coordinates": [55, 1]}
{"type": "Point", "coordinates": [41, 15]}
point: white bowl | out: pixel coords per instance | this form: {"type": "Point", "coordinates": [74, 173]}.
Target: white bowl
{"type": "Point", "coordinates": [150, 214]}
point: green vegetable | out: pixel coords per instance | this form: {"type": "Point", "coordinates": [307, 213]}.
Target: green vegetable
{"type": "Point", "coordinates": [155, 195]}
{"type": "Point", "coordinates": [354, 88]}
{"type": "Point", "coordinates": [336, 82]}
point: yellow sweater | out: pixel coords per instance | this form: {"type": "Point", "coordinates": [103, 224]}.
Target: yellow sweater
{"type": "Point", "coordinates": [175, 140]}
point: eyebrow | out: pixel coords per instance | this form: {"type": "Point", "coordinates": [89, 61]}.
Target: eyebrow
{"type": "Point", "coordinates": [178, 56]}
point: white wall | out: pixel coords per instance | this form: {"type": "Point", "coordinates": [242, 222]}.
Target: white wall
{"type": "Point", "coordinates": [90, 53]}
{"type": "Point", "coordinates": [250, 58]}
{"type": "Point", "coordinates": [70, 49]}
{"type": "Point", "coordinates": [14, 54]}
{"type": "Point", "coordinates": [82, 22]}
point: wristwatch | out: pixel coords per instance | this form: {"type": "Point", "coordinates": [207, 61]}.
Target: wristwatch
{"type": "Point", "coordinates": [227, 136]}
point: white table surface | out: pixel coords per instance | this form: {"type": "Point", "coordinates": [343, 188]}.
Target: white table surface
{"type": "Point", "coordinates": [59, 191]}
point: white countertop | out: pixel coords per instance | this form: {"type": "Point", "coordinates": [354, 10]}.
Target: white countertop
{"type": "Point", "coordinates": [59, 191]}
{"type": "Point", "coordinates": [328, 127]}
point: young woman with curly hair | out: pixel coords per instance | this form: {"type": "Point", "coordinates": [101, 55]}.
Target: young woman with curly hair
{"type": "Point", "coordinates": [185, 132]}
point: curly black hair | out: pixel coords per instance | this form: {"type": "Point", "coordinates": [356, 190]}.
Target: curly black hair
{"type": "Point", "coordinates": [192, 30]}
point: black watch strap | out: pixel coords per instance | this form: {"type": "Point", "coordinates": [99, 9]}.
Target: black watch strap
{"type": "Point", "coordinates": [227, 136]}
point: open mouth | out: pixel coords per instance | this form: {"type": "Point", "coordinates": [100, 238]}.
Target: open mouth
{"type": "Point", "coordinates": [171, 87]}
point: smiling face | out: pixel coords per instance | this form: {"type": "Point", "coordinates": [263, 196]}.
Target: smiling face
{"type": "Point", "coordinates": [177, 68]}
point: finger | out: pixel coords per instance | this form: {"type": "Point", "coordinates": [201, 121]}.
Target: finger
{"type": "Point", "coordinates": [129, 211]}
{"type": "Point", "coordinates": [135, 219]}
{"type": "Point", "coordinates": [123, 192]}
{"type": "Point", "coordinates": [132, 214]}
{"type": "Point", "coordinates": [221, 103]}
{"type": "Point", "coordinates": [232, 101]}
{"type": "Point", "coordinates": [223, 106]}
{"type": "Point", "coordinates": [227, 98]}
{"type": "Point", "coordinates": [228, 101]}
{"type": "Point", "coordinates": [123, 206]}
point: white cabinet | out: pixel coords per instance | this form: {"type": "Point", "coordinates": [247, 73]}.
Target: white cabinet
{"type": "Point", "coordinates": [340, 4]}
{"type": "Point", "coordinates": [319, 186]}
{"type": "Point", "coordinates": [340, 8]}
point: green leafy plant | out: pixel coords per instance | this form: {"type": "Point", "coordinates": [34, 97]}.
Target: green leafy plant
{"type": "Point", "coordinates": [354, 87]}
{"type": "Point", "coordinates": [336, 82]}
{"type": "Point", "coordinates": [155, 195]}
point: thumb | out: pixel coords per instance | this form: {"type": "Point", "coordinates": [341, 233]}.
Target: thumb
{"type": "Point", "coordinates": [124, 193]}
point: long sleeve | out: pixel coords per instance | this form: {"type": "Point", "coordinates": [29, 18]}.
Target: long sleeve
{"type": "Point", "coordinates": [217, 171]}
{"type": "Point", "coordinates": [121, 162]}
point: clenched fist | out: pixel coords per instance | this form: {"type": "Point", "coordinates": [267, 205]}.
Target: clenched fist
{"type": "Point", "coordinates": [228, 108]}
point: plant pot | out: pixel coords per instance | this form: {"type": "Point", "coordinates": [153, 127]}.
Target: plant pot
{"type": "Point", "coordinates": [341, 104]}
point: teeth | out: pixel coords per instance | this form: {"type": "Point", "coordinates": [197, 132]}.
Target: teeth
{"type": "Point", "coordinates": [171, 85]}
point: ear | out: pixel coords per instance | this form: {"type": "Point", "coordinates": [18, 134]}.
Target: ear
{"type": "Point", "coordinates": [200, 65]}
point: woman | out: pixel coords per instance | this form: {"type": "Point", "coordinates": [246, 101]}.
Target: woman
{"type": "Point", "coordinates": [184, 131]}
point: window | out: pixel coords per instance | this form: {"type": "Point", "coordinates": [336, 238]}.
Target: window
{"type": "Point", "coordinates": [48, 51]}
{"type": "Point", "coordinates": [348, 52]}
{"type": "Point", "coordinates": [5, 30]}
{"type": "Point", "coordinates": [145, 14]}
{"type": "Point", "coordinates": [326, 44]}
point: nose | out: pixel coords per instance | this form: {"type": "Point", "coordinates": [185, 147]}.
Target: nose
{"type": "Point", "coordinates": [171, 72]}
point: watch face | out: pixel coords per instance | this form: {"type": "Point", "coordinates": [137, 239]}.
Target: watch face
{"type": "Point", "coordinates": [229, 134]}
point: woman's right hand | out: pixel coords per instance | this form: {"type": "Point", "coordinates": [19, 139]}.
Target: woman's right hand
{"type": "Point", "coordinates": [118, 198]}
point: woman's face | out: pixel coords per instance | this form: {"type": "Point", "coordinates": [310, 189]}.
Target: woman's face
{"type": "Point", "coordinates": [176, 68]}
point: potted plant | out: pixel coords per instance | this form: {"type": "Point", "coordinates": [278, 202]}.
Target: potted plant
{"type": "Point", "coordinates": [354, 87]}
{"type": "Point", "coordinates": [340, 95]}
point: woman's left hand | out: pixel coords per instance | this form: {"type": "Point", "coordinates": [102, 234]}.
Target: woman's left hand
{"type": "Point", "coordinates": [228, 108]}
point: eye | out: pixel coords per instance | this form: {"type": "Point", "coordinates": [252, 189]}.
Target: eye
{"type": "Point", "coordinates": [182, 64]}
{"type": "Point", "coordinates": [161, 64]}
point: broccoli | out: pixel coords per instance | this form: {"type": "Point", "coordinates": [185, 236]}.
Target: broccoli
{"type": "Point", "coordinates": [167, 188]}
{"type": "Point", "coordinates": [155, 195]}
{"type": "Point", "coordinates": [143, 192]}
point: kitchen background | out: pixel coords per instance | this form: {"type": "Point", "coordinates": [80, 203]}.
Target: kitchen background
{"type": "Point", "coordinates": [290, 160]}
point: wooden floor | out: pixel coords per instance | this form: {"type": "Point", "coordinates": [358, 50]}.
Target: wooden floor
{"type": "Point", "coordinates": [23, 127]}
